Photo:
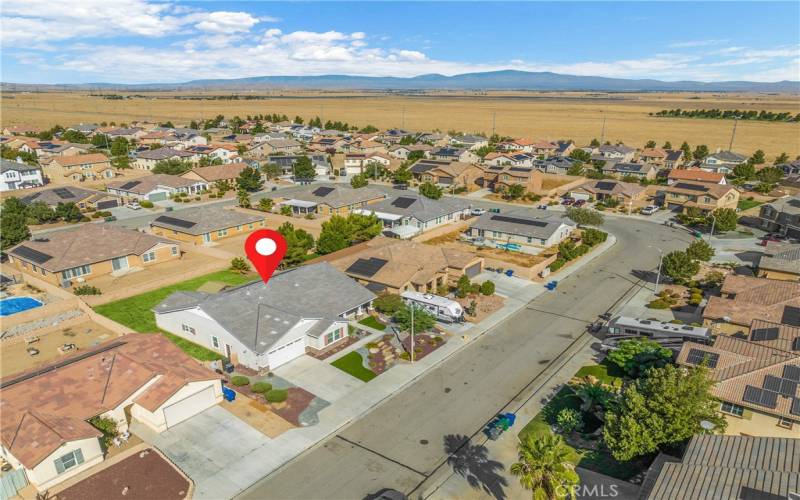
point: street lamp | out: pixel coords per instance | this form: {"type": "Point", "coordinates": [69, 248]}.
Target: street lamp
{"type": "Point", "coordinates": [713, 223]}
{"type": "Point", "coordinates": [412, 333]}
{"type": "Point", "coordinates": [658, 272]}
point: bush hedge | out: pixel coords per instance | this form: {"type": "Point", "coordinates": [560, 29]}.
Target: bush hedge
{"type": "Point", "coordinates": [239, 380]}
{"type": "Point", "coordinates": [261, 387]}
{"type": "Point", "coordinates": [146, 204]}
{"type": "Point", "coordinates": [276, 395]}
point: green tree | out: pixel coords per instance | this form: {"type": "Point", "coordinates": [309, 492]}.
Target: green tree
{"type": "Point", "coordinates": [636, 356]}
{"type": "Point", "coordinates": [744, 171]}
{"type": "Point", "coordinates": [700, 152]}
{"type": "Point", "coordinates": [271, 170]}
{"type": "Point", "coordinates": [119, 146]}
{"type": "Point", "coordinates": [781, 158]}
{"type": "Point", "coordinates": [667, 145]}
{"type": "Point", "coordinates": [74, 136]}
{"type": "Point", "coordinates": [335, 235]}
{"type": "Point", "coordinates": [687, 151]}
{"type": "Point", "coordinates": [463, 287]}
{"type": "Point", "coordinates": [13, 229]}
{"type": "Point", "coordinates": [172, 166]}
{"type": "Point", "coordinates": [585, 216]}
{"type": "Point", "coordinates": [249, 179]}
{"type": "Point", "coordinates": [402, 175]}
{"type": "Point", "coordinates": [41, 213]}
{"type": "Point", "coordinates": [265, 204]}
{"type": "Point", "coordinates": [369, 129]}
{"type": "Point", "coordinates": [650, 144]}
{"type": "Point", "coordinates": [594, 143]}
{"type": "Point", "coordinates": [364, 227]}
{"type": "Point", "coordinates": [304, 169]}
{"type": "Point", "coordinates": [545, 467]}
{"type": "Point", "coordinates": [243, 198]}
{"type": "Point", "coordinates": [770, 176]}
{"type": "Point", "coordinates": [423, 320]}
{"type": "Point", "coordinates": [700, 250]}
{"type": "Point", "coordinates": [388, 303]}
{"type": "Point", "coordinates": [726, 220]}
{"type": "Point", "coordinates": [484, 150]}
{"type": "Point", "coordinates": [241, 149]}
{"type": "Point", "coordinates": [758, 157]}
{"type": "Point", "coordinates": [487, 288]}
{"type": "Point", "coordinates": [679, 266]}
{"type": "Point", "coordinates": [359, 181]}
{"type": "Point", "coordinates": [430, 190]}
{"type": "Point", "coordinates": [514, 192]}
{"type": "Point", "coordinates": [239, 265]}
{"type": "Point", "coordinates": [576, 168]}
{"type": "Point", "coordinates": [100, 141]}
{"type": "Point", "coordinates": [298, 244]}
{"type": "Point", "coordinates": [592, 236]}
{"type": "Point", "coordinates": [415, 155]}
{"type": "Point", "coordinates": [580, 155]}
{"type": "Point", "coordinates": [663, 408]}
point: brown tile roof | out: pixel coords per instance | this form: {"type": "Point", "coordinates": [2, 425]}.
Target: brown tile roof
{"type": "Point", "coordinates": [746, 299]}
{"type": "Point", "coordinates": [68, 161]}
{"type": "Point", "coordinates": [784, 336]}
{"type": "Point", "coordinates": [695, 174]}
{"type": "Point", "coordinates": [144, 185]}
{"type": "Point", "coordinates": [654, 153]}
{"type": "Point", "coordinates": [215, 173]}
{"type": "Point", "coordinates": [709, 189]}
{"type": "Point", "coordinates": [85, 244]}
{"type": "Point", "coordinates": [453, 169]}
{"type": "Point", "coordinates": [612, 187]}
{"type": "Point", "coordinates": [40, 413]}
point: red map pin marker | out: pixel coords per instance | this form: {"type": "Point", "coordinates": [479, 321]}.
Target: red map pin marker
{"type": "Point", "coordinates": [265, 248]}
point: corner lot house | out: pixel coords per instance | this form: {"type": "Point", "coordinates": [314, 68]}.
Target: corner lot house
{"type": "Point", "coordinates": [329, 199]}
{"type": "Point", "coordinates": [781, 216]}
{"type": "Point", "coordinates": [626, 193]}
{"type": "Point", "coordinates": [744, 299]}
{"type": "Point", "coordinates": [519, 231]}
{"type": "Point", "coordinates": [147, 160]}
{"type": "Point", "coordinates": [16, 175]}
{"type": "Point", "coordinates": [85, 199]}
{"type": "Point", "coordinates": [406, 215]}
{"type": "Point", "coordinates": [205, 225]}
{"type": "Point", "coordinates": [702, 196]}
{"type": "Point", "coordinates": [77, 168]}
{"type": "Point", "coordinates": [263, 327]}
{"type": "Point", "coordinates": [44, 424]}
{"type": "Point", "coordinates": [85, 252]}
{"type": "Point", "coordinates": [156, 187]}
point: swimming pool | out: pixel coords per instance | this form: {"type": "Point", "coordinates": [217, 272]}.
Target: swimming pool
{"type": "Point", "coordinates": [14, 305]}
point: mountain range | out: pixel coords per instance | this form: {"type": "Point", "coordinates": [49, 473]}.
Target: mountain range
{"type": "Point", "coordinates": [493, 80]}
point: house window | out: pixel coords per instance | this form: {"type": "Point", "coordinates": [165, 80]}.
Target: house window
{"type": "Point", "coordinates": [68, 461]}
{"type": "Point", "coordinates": [785, 422]}
{"type": "Point", "coordinates": [76, 272]}
{"type": "Point", "coordinates": [174, 250]}
{"type": "Point", "coordinates": [251, 226]}
{"type": "Point", "coordinates": [215, 342]}
{"type": "Point", "coordinates": [238, 228]}
{"type": "Point", "coordinates": [732, 409]}
{"type": "Point", "coordinates": [222, 232]}
{"type": "Point", "coordinates": [149, 256]}
{"type": "Point", "coordinates": [334, 336]}
{"type": "Point", "coordinates": [187, 328]}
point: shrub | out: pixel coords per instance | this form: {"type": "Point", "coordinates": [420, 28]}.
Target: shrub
{"type": "Point", "coordinates": [405, 356]}
{"type": "Point", "coordinates": [87, 290]}
{"type": "Point", "coordinates": [593, 236]}
{"type": "Point", "coordinates": [557, 264]}
{"type": "Point", "coordinates": [372, 345]}
{"type": "Point", "coordinates": [695, 299]}
{"type": "Point", "coordinates": [196, 198]}
{"type": "Point", "coordinates": [146, 204]}
{"type": "Point", "coordinates": [276, 395]}
{"type": "Point", "coordinates": [487, 288]}
{"type": "Point", "coordinates": [659, 304]}
{"type": "Point", "coordinates": [388, 303]}
{"type": "Point", "coordinates": [438, 340]}
{"type": "Point", "coordinates": [239, 380]}
{"type": "Point", "coordinates": [96, 215]}
{"type": "Point", "coordinates": [569, 420]}
{"type": "Point", "coordinates": [261, 387]}
{"type": "Point", "coordinates": [108, 427]}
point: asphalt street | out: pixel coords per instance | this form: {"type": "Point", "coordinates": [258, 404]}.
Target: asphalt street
{"type": "Point", "coordinates": [415, 434]}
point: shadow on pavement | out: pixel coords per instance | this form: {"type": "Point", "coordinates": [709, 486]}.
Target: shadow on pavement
{"type": "Point", "coordinates": [471, 461]}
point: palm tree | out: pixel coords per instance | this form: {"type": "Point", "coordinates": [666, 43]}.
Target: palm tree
{"type": "Point", "coordinates": [244, 198]}
{"type": "Point", "coordinates": [595, 397]}
{"type": "Point", "coordinates": [545, 467]}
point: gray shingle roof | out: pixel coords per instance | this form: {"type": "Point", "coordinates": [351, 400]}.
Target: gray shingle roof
{"type": "Point", "coordinates": [205, 219]}
{"type": "Point", "coordinates": [162, 154]}
{"type": "Point", "coordinates": [64, 194]}
{"type": "Point", "coordinates": [787, 261]}
{"type": "Point", "coordinates": [336, 195]}
{"type": "Point", "coordinates": [541, 226]}
{"type": "Point", "coordinates": [8, 165]}
{"type": "Point", "coordinates": [421, 208]}
{"type": "Point", "coordinates": [258, 315]}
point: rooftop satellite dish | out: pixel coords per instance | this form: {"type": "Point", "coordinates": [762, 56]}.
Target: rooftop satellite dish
{"type": "Point", "coordinates": [705, 424]}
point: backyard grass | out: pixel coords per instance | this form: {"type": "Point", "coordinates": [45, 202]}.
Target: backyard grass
{"type": "Point", "coordinates": [352, 363]}
{"type": "Point", "coordinates": [135, 312]}
{"type": "Point", "coordinates": [606, 372]}
{"type": "Point", "coordinates": [371, 322]}
{"type": "Point", "coordinates": [748, 204]}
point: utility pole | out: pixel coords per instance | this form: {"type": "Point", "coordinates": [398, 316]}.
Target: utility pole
{"type": "Point", "coordinates": [603, 131]}
{"type": "Point", "coordinates": [412, 333]}
{"type": "Point", "coordinates": [733, 133]}
{"type": "Point", "coordinates": [494, 121]}
{"type": "Point", "coordinates": [658, 274]}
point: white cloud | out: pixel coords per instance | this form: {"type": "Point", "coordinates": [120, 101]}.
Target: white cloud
{"type": "Point", "coordinates": [227, 22]}
{"type": "Point", "coordinates": [696, 43]}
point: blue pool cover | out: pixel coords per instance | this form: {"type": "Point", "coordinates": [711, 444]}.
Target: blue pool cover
{"type": "Point", "coordinates": [13, 305]}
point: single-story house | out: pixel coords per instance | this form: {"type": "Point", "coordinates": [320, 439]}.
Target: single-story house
{"type": "Point", "coordinates": [17, 175]}
{"type": "Point", "coordinates": [558, 165]}
{"type": "Point", "coordinates": [228, 153]}
{"type": "Point", "coordinates": [156, 187]}
{"type": "Point", "coordinates": [45, 424]}
{"type": "Point", "coordinates": [511, 159]}
{"type": "Point", "coordinates": [520, 231]}
{"type": "Point", "coordinates": [87, 251]}
{"type": "Point", "coordinates": [471, 142]}
{"type": "Point", "coordinates": [626, 193]}
{"type": "Point", "coordinates": [322, 166]}
{"type": "Point", "coordinates": [216, 173]}
{"type": "Point", "coordinates": [204, 225]}
{"type": "Point", "coordinates": [147, 160]}
{"type": "Point", "coordinates": [328, 199]}
{"type": "Point", "coordinates": [401, 151]}
{"type": "Point", "coordinates": [263, 327]}
{"type": "Point", "coordinates": [703, 196]}
{"type": "Point", "coordinates": [406, 215]}
{"type": "Point", "coordinates": [450, 153]}
{"type": "Point", "coordinates": [76, 168]}
{"type": "Point", "coordinates": [619, 152]}
{"type": "Point", "coordinates": [87, 200]}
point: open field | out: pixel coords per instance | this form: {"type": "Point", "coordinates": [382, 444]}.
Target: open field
{"type": "Point", "coordinates": [578, 116]}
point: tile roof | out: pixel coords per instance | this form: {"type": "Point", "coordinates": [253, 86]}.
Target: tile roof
{"type": "Point", "coordinates": [787, 261]}
{"type": "Point", "coordinates": [213, 173]}
{"type": "Point", "coordinates": [85, 244]}
{"type": "Point", "coordinates": [9, 165]}
{"type": "Point", "coordinates": [144, 185]}
{"type": "Point", "coordinates": [421, 208]}
{"type": "Point", "coordinates": [612, 187]}
{"type": "Point", "coordinates": [788, 205]}
{"type": "Point", "coordinates": [542, 225]}
{"type": "Point", "coordinates": [163, 154]}
{"type": "Point", "coordinates": [728, 156]}
{"type": "Point", "coordinates": [40, 412]}
{"type": "Point", "coordinates": [336, 195]}
{"type": "Point", "coordinates": [67, 161]}
{"type": "Point", "coordinates": [205, 220]}
{"type": "Point", "coordinates": [698, 188]}
{"type": "Point", "coordinates": [695, 174]}
{"type": "Point", "coordinates": [64, 194]}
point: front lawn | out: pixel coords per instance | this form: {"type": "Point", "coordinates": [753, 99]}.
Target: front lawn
{"type": "Point", "coordinates": [135, 312]}
{"type": "Point", "coordinates": [606, 372]}
{"type": "Point", "coordinates": [353, 364]}
{"type": "Point", "coordinates": [372, 322]}
{"type": "Point", "coordinates": [748, 204]}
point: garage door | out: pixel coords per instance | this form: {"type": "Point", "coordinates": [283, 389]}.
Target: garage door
{"type": "Point", "coordinates": [107, 204]}
{"type": "Point", "coordinates": [189, 406]}
{"type": "Point", "coordinates": [157, 197]}
{"type": "Point", "coordinates": [286, 353]}
{"type": "Point", "coordinates": [473, 270]}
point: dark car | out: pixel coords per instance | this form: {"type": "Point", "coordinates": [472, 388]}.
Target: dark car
{"type": "Point", "coordinates": [579, 203]}
{"type": "Point", "coordinates": [567, 201]}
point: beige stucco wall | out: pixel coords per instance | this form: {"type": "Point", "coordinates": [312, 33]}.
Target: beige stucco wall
{"type": "Point", "coordinates": [778, 275]}
{"type": "Point", "coordinates": [754, 423]}
{"type": "Point", "coordinates": [44, 475]}
{"type": "Point", "coordinates": [197, 239]}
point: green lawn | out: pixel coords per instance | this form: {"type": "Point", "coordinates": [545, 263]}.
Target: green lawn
{"type": "Point", "coordinates": [747, 204]}
{"type": "Point", "coordinates": [371, 322]}
{"type": "Point", "coordinates": [606, 372]}
{"type": "Point", "coordinates": [135, 312]}
{"type": "Point", "coordinates": [352, 363]}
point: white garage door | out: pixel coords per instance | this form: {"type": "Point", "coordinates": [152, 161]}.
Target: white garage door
{"type": "Point", "coordinates": [189, 406]}
{"type": "Point", "coordinates": [286, 353]}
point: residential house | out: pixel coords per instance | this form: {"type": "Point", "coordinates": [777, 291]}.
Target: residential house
{"type": "Point", "coordinates": [129, 133]}
{"type": "Point", "coordinates": [463, 155]}
{"type": "Point", "coordinates": [356, 163]}
{"type": "Point", "coordinates": [401, 151]}
{"type": "Point", "coordinates": [564, 148]}
{"type": "Point", "coordinates": [238, 139]}
{"type": "Point", "coordinates": [329, 199]}
{"type": "Point", "coordinates": [624, 169]}
{"type": "Point", "coordinates": [790, 168]}
{"type": "Point", "coordinates": [780, 262]}
{"type": "Point", "coordinates": [366, 147]}
{"type": "Point", "coordinates": [714, 466]}
{"type": "Point", "coordinates": [703, 196]}
{"type": "Point", "coordinates": [321, 164]}
{"type": "Point", "coordinates": [627, 194]}
{"type": "Point", "coordinates": [66, 169]}
{"type": "Point", "coordinates": [781, 216]}
{"type": "Point", "coordinates": [45, 150]}
{"type": "Point", "coordinates": [656, 156]}
{"type": "Point", "coordinates": [722, 161]}
{"type": "Point", "coordinates": [394, 136]}
{"type": "Point", "coordinates": [263, 327]}
{"type": "Point", "coordinates": [145, 379]}
{"type": "Point", "coordinates": [500, 178]}
{"type": "Point", "coordinates": [523, 145]}
{"type": "Point", "coordinates": [520, 231]}
{"type": "Point", "coordinates": [274, 147]}
{"type": "Point", "coordinates": [86, 129]}
{"type": "Point", "coordinates": [511, 159]}
{"type": "Point", "coordinates": [88, 251]}
{"type": "Point", "coordinates": [674, 158]}
{"type": "Point", "coordinates": [87, 200]}
{"type": "Point", "coordinates": [756, 378]}
{"type": "Point", "coordinates": [388, 265]}
{"type": "Point", "coordinates": [212, 174]}
{"type": "Point", "coordinates": [328, 144]}
{"type": "Point", "coordinates": [17, 175]}
{"type": "Point", "coordinates": [156, 187]}
{"type": "Point", "coordinates": [227, 153]}
{"type": "Point", "coordinates": [695, 175]}
{"type": "Point", "coordinates": [407, 214]}
{"type": "Point", "coordinates": [471, 142]}
{"type": "Point", "coordinates": [744, 299]}
{"type": "Point", "coordinates": [21, 130]}
{"type": "Point", "coordinates": [147, 160]}
{"type": "Point", "coordinates": [205, 225]}
{"type": "Point", "coordinates": [448, 174]}
{"type": "Point", "coordinates": [434, 139]}
{"type": "Point", "coordinates": [557, 165]}
{"type": "Point", "coordinates": [619, 152]}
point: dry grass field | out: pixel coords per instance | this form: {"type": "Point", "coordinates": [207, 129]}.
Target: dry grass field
{"type": "Point", "coordinates": [578, 116]}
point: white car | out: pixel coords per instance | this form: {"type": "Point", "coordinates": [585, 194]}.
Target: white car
{"type": "Point", "coordinates": [649, 210]}
{"type": "Point", "coordinates": [134, 205]}
{"type": "Point", "coordinates": [478, 211]}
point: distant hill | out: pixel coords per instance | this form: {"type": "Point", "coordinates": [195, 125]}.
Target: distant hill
{"type": "Point", "coordinates": [494, 80]}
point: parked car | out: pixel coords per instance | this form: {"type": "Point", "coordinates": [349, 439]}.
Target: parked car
{"type": "Point", "coordinates": [579, 203]}
{"type": "Point", "coordinates": [567, 201]}
{"type": "Point", "coordinates": [649, 210]}
{"type": "Point", "coordinates": [133, 205]}
{"type": "Point", "coordinates": [542, 207]}
{"type": "Point", "coordinates": [494, 210]}
{"type": "Point", "coordinates": [478, 211]}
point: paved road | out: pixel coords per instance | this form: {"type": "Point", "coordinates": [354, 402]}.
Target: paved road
{"type": "Point", "coordinates": [401, 443]}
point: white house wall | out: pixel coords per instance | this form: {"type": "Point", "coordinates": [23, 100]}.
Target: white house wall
{"type": "Point", "coordinates": [45, 475]}
{"type": "Point", "coordinates": [156, 420]}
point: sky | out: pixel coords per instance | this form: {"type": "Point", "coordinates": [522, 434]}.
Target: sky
{"type": "Point", "coordinates": [145, 41]}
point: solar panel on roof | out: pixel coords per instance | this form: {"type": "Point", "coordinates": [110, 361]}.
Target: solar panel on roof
{"type": "Point", "coordinates": [32, 255]}
{"type": "Point", "coordinates": [795, 409]}
{"type": "Point", "coordinates": [791, 316]}
{"type": "Point", "coordinates": [172, 221]}
{"type": "Point", "coordinates": [788, 387]}
{"type": "Point", "coordinates": [366, 267]}
{"type": "Point", "coordinates": [772, 383]}
{"type": "Point", "coordinates": [322, 191]}
{"type": "Point", "coordinates": [403, 202]}
{"type": "Point", "coordinates": [761, 397]}
{"type": "Point", "coordinates": [696, 357]}
{"type": "Point", "coordinates": [792, 372]}
{"type": "Point", "coordinates": [762, 334]}
{"type": "Point", "coordinates": [606, 186]}
{"type": "Point", "coordinates": [63, 193]}
{"type": "Point", "coordinates": [519, 169]}
{"type": "Point", "coordinates": [691, 187]}
{"type": "Point", "coordinates": [129, 185]}
{"type": "Point", "coordinates": [796, 344]}
{"type": "Point", "coordinates": [515, 220]}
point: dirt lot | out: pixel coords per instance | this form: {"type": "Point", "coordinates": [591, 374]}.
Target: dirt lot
{"type": "Point", "coordinates": [552, 115]}
{"type": "Point", "coordinates": [492, 255]}
{"type": "Point", "coordinates": [257, 415]}
{"type": "Point", "coordinates": [14, 358]}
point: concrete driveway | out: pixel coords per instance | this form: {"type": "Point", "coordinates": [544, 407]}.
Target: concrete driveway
{"type": "Point", "coordinates": [319, 378]}
{"type": "Point", "coordinates": [507, 286]}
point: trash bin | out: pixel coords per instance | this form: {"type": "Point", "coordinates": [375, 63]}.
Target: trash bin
{"type": "Point", "coordinates": [228, 394]}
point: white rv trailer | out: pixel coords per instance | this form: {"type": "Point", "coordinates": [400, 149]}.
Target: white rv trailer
{"type": "Point", "coordinates": [442, 308]}
{"type": "Point", "coordinates": [669, 335]}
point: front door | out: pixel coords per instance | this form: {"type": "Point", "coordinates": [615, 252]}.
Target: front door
{"type": "Point", "coordinates": [227, 351]}
{"type": "Point", "coordinates": [119, 263]}
{"type": "Point", "coordinates": [207, 238]}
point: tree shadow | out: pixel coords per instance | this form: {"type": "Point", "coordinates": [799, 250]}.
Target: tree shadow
{"type": "Point", "coordinates": [646, 276]}
{"type": "Point", "coordinates": [472, 462]}
{"type": "Point", "coordinates": [751, 256]}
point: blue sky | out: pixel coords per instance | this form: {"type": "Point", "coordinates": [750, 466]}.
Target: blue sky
{"type": "Point", "coordinates": [135, 41]}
